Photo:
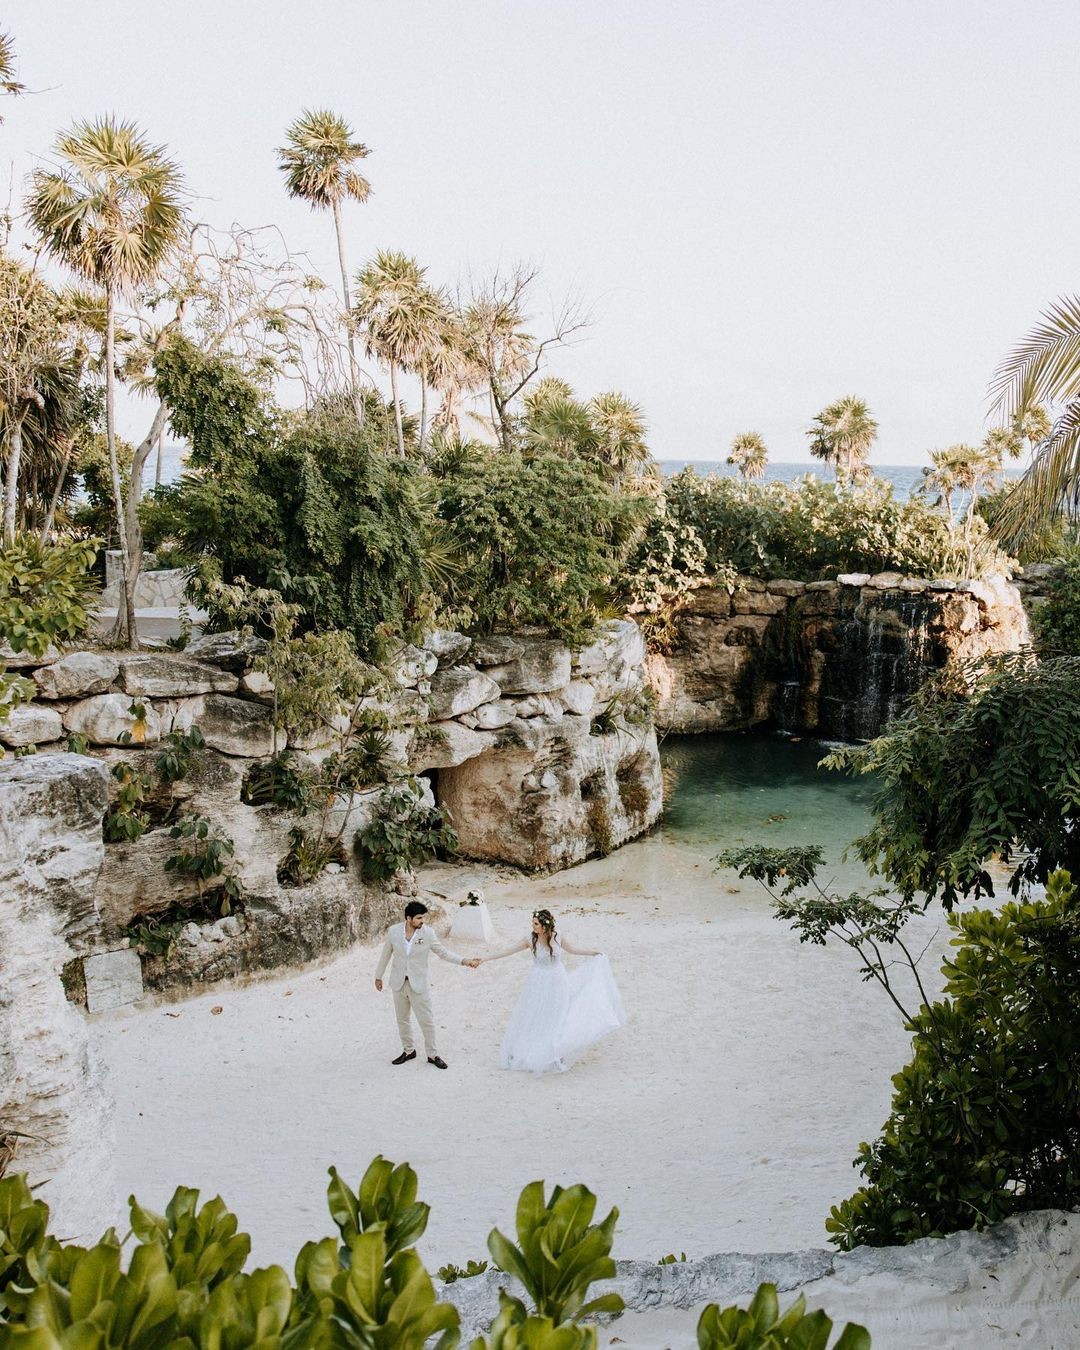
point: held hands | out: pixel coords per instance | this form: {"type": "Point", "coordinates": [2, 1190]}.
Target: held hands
{"type": "Point", "coordinates": [378, 985]}
{"type": "Point", "coordinates": [473, 962]}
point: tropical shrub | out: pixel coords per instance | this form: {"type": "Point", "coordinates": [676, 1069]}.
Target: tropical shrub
{"type": "Point", "coordinates": [985, 765]}
{"type": "Point", "coordinates": [763, 1327]}
{"type": "Point", "coordinates": [1057, 619]}
{"type": "Point", "coordinates": [403, 832]}
{"type": "Point", "coordinates": [204, 854]}
{"type": "Point", "coordinates": [809, 530]}
{"type": "Point", "coordinates": [537, 541]}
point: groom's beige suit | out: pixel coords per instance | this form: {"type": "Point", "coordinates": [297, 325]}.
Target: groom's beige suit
{"type": "Point", "coordinates": [408, 962]}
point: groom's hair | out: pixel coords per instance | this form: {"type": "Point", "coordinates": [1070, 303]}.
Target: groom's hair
{"type": "Point", "coordinates": [413, 908]}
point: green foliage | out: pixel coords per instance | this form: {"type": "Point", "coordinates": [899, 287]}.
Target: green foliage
{"type": "Point", "coordinates": [449, 1274]}
{"type": "Point", "coordinates": [763, 1327]}
{"type": "Point", "coordinates": [203, 854]}
{"type": "Point", "coordinates": [1057, 620]}
{"type": "Point", "coordinates": [309, 505]}
{"type": "Point", "coordinates": [403, 832]}
{"type": "Point", "coordinates": [173, 761]}
{"type": "Point", "coordinates": [24, 1225]}
{"type": "Point", "coordinates": [308, 856]}
{"type": "Point", "coordinates": [559, 1254]}
{"type": "Point", "coordinates": [985, 1118]}
{"type": "Point", "coordinates": [516, 1329]}
{"type": "Point", "coordinates": [46, 595]}
{"type": "Point", "coordinates": [668, 560]}
{"type": "Point", "coordinates": [540, 540]}
{"type": "Point", "coordinates": [967, 774]}
{"type": "Point", "coordinates": [126, 818]}
{"type": "Point", "coordinates": [809, 529]}
{"type": "Point", "coordinates": [278, 782]}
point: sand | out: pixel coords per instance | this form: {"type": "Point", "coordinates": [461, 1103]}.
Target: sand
{"type": "Point", "coordinates": [724, 1117]}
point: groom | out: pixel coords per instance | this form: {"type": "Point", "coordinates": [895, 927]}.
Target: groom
{"type": "Point", "coordinates": [408, 946]}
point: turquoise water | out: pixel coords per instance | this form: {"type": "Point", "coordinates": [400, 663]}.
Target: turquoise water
{"type": "Point", "coordinates": [728, 791]}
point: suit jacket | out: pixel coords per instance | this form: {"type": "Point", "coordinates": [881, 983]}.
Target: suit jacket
{"type": "Point", "coordinates": [411, 964]}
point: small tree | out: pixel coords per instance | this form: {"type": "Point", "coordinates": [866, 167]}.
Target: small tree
{"type": "Point", "coordinates": [749, 454]}
{"type": "Point", "coordinates": [842, 434]}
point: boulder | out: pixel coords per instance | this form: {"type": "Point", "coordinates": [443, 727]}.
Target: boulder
{"type": "Point", "coordinates": [886, 581]}
{"type": "Point", "coordinates": [854, 579]}
{"type": "Point", "coordinates": [544, 665]}
{"type": "Point", "coordinates": [819, 586]}
{"type": "Point", "coordinates": [77, 675]}
{"type": "Point", "coordinates": [452, 744]}
{"type": "Point", "coordinates": [237, 727]}
{"type": "Point", "coordinates": [449, 647]}
{"type": "Point", "coordinates": [538, 705]}
{"type": "Point", "coordinates": [460, 690]}
{"type": "Point", "coordinates": [106, 719]}
{"type": "Point", "coordinates": [408, 666]}
{"type": "Point", "coordinates": [168, 675]}
{"type": "Point", "coordinates": [621, 643]}
{"type": "Point", "coordinates": [230, 651]}
{"type": "Point", "coordinates": [494, 650]}
{"type": "Point", "coordinates": [31, 724]}
{"type": "Point", "coordinates": [113, 979]}
{"type": "Point", "coordinates": [578, 697]}
{"type": "Point", "coordinates": [492, 716]}
{"type": "Point", "coordinates": [256, 684]}
{"type": "Point", "coordinates": [782, 586]}
{"type": "Point", "coordinates": [758, 602]}
{"type": "Point", "coordinates": [14, 660]}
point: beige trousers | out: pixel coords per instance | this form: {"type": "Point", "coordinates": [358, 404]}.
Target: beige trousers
{"type": "Point", "coordinates": [406, 1002]}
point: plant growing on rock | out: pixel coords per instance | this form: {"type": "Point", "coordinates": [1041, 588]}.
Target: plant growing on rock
{"type": "Point", "coordinates": [278, 782]}
{"type": "Point", "coordinates": [204, 852]}
{"type": "Point", "coordinates": [1057, 619]}
{"type": "Point", "coordinates": [403, 831]}
{"type": "Point", "coordinates": [126, 818]}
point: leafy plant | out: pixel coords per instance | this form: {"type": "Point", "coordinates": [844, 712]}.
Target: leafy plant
{"type": "Point", "coordinates": [203, 855]}
{"type": "Point", "coordinates": [449, 1274]}
{"type": "Point", "coordinates": [278, 782]}
{"type": "Point", "coordinates": [671, 1259]}
{"type": "Point", "coordinates": [980, 767]}
{"type": "Point", "coordinates": [173, 761]}
{"type": "Point", "coordinates": [763, 1327]}
{"type": "Point", "coordinates": [307, 857]}
{"type": "Point", "coordinates": [1057, 619]}
{"type": "Point", "coordinates": [560, 1254]}
{"type": "Point", "coordinates": [126, 818]}
{"type": "Point", "coordinates": [403, 832]}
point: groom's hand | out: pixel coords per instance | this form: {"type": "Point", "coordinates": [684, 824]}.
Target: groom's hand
{"type": "Point", "coordinates": [378, 985]}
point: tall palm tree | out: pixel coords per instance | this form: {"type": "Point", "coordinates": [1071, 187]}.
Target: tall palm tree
{"type": "Point", "coordinates": [842, 434]}
{"type": "Point", "coordinates": [749, 453]}
{"type": "Point", "coordinates": [317, 161]}
{"type": "Point", "coordinates": [970, 469]}
{"type": "Point", "coordinates": [112, 212]}
{"type": "Point", "coordinates": [395, 308]}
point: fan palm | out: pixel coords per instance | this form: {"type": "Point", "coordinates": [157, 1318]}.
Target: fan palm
{"type": "Point", "coordinates": [8, 83]}
{"type": "Point", "coordinates": [842, 434]}
{"type": "Point", "coordinates": [317, 161]}
{"type": "Point", "coordinates": [112, 212]}
{"type": "Point", "coordinates": [1043, 369]}
{"type": "Point", "coordinates": [557, 424]}
{"type": "Point", "coordinates": [620, 431]}
{"type": "Point", "coordinates": [749, 453]}
{"type": "Point", "coordinates": [395, 308]}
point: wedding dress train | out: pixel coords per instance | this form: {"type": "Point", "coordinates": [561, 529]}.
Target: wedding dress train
{"type": "Point", "coordinates": [560, 1013]}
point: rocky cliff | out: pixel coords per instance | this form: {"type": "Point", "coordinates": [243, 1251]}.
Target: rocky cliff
{"type": "Point", "coordinates": [835, 659]}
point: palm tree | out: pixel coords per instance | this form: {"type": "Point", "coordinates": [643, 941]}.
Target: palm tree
{"type": "Point", "coordinates": [396, 308]}
{"type": "Point", "coordinates": [317, 162]}
{"type": "Point", "coordinates": [1043, 369]}
{"type": "Point", "coordinates": [749, 453]}
{"type": "Point", "coordinates": [842, 434]}
{"type": "Point", "coordinates": [620, 430]}
{"type": "Point", "coordinates": [8, 83]}
{"type": "Point", "coordinates": [970, 469]}
{"type": "Point", "coordinates": [112, 213]}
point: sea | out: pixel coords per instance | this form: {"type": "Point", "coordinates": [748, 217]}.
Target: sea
{"type": "Point", "coordinates": [904, 478]}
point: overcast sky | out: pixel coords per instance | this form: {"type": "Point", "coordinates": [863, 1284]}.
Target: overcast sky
{"type": "Point", "coordinates": [766, 205]}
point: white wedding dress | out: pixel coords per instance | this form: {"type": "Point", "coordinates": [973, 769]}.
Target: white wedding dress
{"type": "Point", "coordinates": [560, 1013]}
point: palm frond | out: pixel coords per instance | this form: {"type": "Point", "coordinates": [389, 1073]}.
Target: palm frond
{"type": "Point", "coordinates": [1049, 489]}
{"type": "Point", "coordinates": [1045, 366]}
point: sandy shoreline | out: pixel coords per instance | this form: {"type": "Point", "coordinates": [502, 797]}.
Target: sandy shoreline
{"type": "Point", "coordinates": [723, 1118]}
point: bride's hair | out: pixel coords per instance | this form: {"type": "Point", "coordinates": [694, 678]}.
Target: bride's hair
{"type": "Point", "coordinates": [546, 920]}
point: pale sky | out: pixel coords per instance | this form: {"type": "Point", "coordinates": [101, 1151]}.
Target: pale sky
{"type": "Point", "coordinates": [766, 205]}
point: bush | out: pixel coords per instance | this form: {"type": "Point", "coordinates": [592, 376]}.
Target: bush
{"type": "Point", "coordinates": [402, 833]}
{"type": "Point", "coordinates": [985, 1118]}
{"type": "Point", "coordinates": [1057, 620]}
{"type": "Point", "coordinates": [980, 767]}
{"type": "Point", "coordinates": [537, 542]}
{"type": "Point", "coordinates": [809, 530]}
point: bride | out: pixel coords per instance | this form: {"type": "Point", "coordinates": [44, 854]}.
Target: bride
{"type": "Point", "coordinates": [560, 1013]}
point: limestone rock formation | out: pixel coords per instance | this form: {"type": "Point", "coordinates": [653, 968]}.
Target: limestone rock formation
{"type": "Point", "coordinates": [31, 724]}
{"type": "Point", "coordinates": [107, 719]}
{"type": "Point", "coordinates": [460, 690]}
{"type": "Point", "coordinates": [237, 727]}
{"type": "Point", "coordinates": [168, 675]}
{"type": "Point", "coordinates": [542, 666]}
{"type": "Point", "coordinates": [77, 675]}
{"type": "Point", "coordinates": [50, 1087]}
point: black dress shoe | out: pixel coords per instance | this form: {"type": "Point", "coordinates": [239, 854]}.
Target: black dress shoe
{"type": "Point", "coordinates": [404, 1057]}
{"type": "Point", "coordinates": [438, 1061]}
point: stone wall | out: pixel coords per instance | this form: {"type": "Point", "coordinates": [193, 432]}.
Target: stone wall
{"type": "Point", "coordinates": [543, 756]}
{"type": "Point", "coordinates": [834, 659]}
{"type": "Point", "coordinates": [51, 1090]}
